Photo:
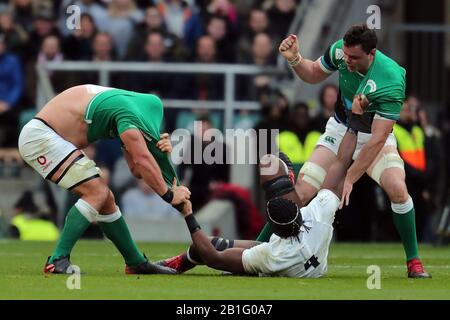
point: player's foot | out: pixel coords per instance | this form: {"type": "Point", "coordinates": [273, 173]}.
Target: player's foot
{"type": "Point", "coordinates": [148, 267]}
{"type": "Point", "coordinates": [180, 263]}
{"type": "Point", "coordinates": [416, 270]}
{"type": "Point", "coordinates": [58, 266]}
{"type": "Point", "coordinates": [289, 166]}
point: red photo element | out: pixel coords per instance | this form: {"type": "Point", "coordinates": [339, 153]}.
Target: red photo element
{"type": "Point", "coordinates": [42, 160]}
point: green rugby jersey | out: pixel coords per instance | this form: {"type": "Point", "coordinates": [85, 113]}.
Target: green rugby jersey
{"type": "Point", "coordinates": [114, 111]}
{"type": "Point", "coordinates": [384, 86]}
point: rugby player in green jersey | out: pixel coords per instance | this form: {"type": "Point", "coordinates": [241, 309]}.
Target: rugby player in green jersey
{"type": "Point", "coordinates": [372, 80]}
{"type": "Point", "coordinates": [51, 142]}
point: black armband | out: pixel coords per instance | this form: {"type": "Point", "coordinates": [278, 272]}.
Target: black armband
{"type": "Point", "coordinates": [168, 196]}
{"type": "Point", "coordinates": [192, 223]}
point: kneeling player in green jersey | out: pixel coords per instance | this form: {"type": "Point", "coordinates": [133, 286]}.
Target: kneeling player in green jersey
{"type": "Point", "coordinates": [365, 74]}
{"type": "Point", "coordinates": [51, 142]}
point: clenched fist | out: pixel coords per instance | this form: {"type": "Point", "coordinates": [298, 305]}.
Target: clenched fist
{"type": "Point", "coordinates": [289, 47]}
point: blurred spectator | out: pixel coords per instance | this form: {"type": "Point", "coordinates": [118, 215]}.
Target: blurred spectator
{"type": "Point", "coordinates": [281, 15]}
{"type": "Point", "coordinates": [434, 180]}
{"type": "Point", "coordinates": [175, 14]}
{"type": "Point", "coordinates": [44, 24]}
{"type": "Point", "coordinates": [154, 23]}
{"type": "Point", "coordinates": [78, 46]}
{"type": "Point", "coordinates": [159, 83]}
{"type": "Point", "coordinates": [90, 7]}
{"type": "Point", "coordinates": [142, 202]}
{"type": "Point", "coordinates": [274, 116]}
{"type": "Point", "coordinates": [202, 86]}
{"type": "Point", "coordinates": [258, 22]}
{"type": "Point", "coordinates": [50, 51]}
{"type": "Point", "coordinates": [102, 51]}
{"type": "Point", "coordinates": [23, 13]}
{"type": "Point", "coordinates": [327, 97]}
{"type": "Point", "coordinates": [29, 224]}
{"type": "Point", "coordinates": [300, 139]}
{"type": "Point", "coordinates": [261, 55]}
{"type": "Point", "coordinates": [248, 218]}
{"type": "Point", "coordinates": [103, 48]}
{"type": "Point", "coordinates": [15, 36]}
{"type": "Point", "coordinates": [223, 8]}
{"type": "Point", "coordinates": [123, 16]}
{"type": "Point", "coordinates": [11, 88]}
{"type": "Point", "coordinates": [220, 32]}
{"type": "Point", "coordinates": [201, 178]}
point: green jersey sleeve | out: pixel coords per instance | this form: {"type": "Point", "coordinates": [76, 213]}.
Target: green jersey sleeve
{"type": "Point", "coordinates": [332, 58]}
{"type": "Point", "coordinates": [126, 121]}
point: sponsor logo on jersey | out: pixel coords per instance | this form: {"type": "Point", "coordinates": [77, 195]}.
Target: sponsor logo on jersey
{"type": "Point", "coordinates": [330, 140]}
{"type": "Point", "coordinates": [339, 54]}
{"type": "Point", "coordinates": [372, 86]}
{"type": "Point", "coordinates": [41, 160]}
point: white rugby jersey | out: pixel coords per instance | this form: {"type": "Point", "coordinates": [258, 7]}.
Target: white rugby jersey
{"type": "Point", "coordinates": [303, 258]}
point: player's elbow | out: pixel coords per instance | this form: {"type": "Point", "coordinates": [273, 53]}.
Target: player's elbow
{"type": "Point", "coordinates": [140, 162]}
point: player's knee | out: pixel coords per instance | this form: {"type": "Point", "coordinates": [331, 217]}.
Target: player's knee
{"type": "Point", "coordinates": [97, 194]}
{"type": "Point", "coordinates": [397, 191]}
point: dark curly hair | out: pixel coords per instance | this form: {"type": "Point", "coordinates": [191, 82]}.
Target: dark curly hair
{"type": "Point", "coordinates": [361, 35]}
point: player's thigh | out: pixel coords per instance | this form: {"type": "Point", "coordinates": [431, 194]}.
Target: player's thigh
{"type": "Point", "coordinates": [313, 172]}
{"type": "Point", "coordinates": [388, 171]}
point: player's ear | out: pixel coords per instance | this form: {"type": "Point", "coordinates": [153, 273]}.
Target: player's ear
{"type": "Point", "coordinates": [372, 52]}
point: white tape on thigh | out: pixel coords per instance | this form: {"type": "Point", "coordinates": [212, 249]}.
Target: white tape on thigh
{"type": "Point", "coordinates": [388, 160]}
{"type": "Point", "coordinates": [86, 210]}
{"type": "Point", "coordinates": [108, 218]}
{"type": "Point", "coordinates": [79, 171]}
{"type": "Point", "coordinates": [313, 174]}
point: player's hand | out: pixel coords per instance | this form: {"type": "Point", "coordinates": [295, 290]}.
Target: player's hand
{"type": "Point", "coordinates": [164, 143]}
{"type": "Point", "coordinates": [347, 189]}
{"type": "Point", "coordinates": [360, 104]}
{"type": "Point", "coordinates": [187, 208]}
{"type": "Point", "coordinates": [289, 47]}
{"type": "Point", "coordinates": [180, 193]}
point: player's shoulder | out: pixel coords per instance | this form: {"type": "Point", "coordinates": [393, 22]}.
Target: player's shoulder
{"type": "Point", "coordinates": [389, 66]}
{"type": "Point", "coordinates": [337, 51]}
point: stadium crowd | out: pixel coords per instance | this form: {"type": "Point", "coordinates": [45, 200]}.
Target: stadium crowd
{"type": "Point", "coordinates": [199, 31]}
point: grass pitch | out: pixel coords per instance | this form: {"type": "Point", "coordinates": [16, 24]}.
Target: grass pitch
{"type": "Point", "coordinates": [103, 277]}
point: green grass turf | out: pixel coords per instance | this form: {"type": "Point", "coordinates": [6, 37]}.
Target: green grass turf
{"type": "Point", "coordinates": [21, 275]}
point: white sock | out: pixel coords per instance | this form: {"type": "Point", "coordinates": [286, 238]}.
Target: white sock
{"type": "Point", "coordinates": [86, 210]}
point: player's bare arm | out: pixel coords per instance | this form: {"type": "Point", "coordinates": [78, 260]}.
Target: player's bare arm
{"type": "Point", "coordinates": [308, 70]}
{"type": "Point", "coordinates": [338, 169]}
{"type": "Point", "coordinates": [227, 260]}
{"type": "Point", "coordinates": [143, 164]}
{"type": "Point", "coordinates": [380, 132]}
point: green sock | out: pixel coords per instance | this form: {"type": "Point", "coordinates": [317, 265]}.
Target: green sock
{"type": "Point", "coordinates": [265, 234]}
{"type": "Point", "coordinates": [74, 228]}
{"type": "Point", "coordinates": [117, 231]}
{"type": "Point", "coordinates": [406, 227]}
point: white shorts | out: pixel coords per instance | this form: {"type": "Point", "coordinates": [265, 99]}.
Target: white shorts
{"type": "Point", "coordinates": [42, 148]}
{"type": "Point", "coordinates": [335, 131]}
